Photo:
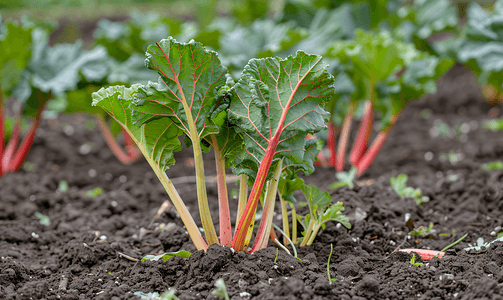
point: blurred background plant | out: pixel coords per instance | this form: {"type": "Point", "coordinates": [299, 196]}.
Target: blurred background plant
{"type": "Point", "coordinates": [87, 45]}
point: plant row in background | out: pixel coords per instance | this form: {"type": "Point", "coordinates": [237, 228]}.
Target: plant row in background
{"type": "Point", "coordinates": [364, 88]}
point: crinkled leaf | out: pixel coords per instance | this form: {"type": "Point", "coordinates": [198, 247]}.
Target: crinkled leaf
{"type": "Point", "coordinates": [311, 149]}
{"type": "Point", "coordinates": [375, 57]}
{"type": "Point", "coordinates": [328, 26]}
{"type": "Point", "coordinates": [168, 255]}
{"type": "Point", "coordinates": [122, 39]}
{"type": "Point", "coordinates": [199, 74]}
{"type": "Point", "coordinates": [131, 71]}
{"type": "Point", "coordinates": [158, 139]}
{"type": "Point", "coordinates": [479, 48]}
{"type": "Point", "coordinates": [59, 69]}
{"type": "Point", "coordinates": [261, 39]}
{"type": "Point", "coordinates": [279, 96]}
{"type": "Point", "coordinates": [424, 18]}
{"type": "Point", "coordinates": [419, 78]}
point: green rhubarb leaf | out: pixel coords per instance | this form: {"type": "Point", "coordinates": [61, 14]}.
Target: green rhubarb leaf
{"type": "Point", "coordinates": [424, 18]}
{"type": "Point", "coordinates": [278, 101]}
{"type": "Point", "coordinates": [168, 255]}
{"type": "Point", "coordinates": [190, 78]}
{"type": "Point", "coordinates": [58, 69]}
{"type": "Point", "coordinates": [131, 71]}
{"type": "Point", "coordinates": [311, 148]}
{"type": "Point", "coordinates": [15, 53]}
{"type": "Point", "coordinates": [374, 56]}
{"type": "Point", "coordinates": [261, 39]}
{"type": "Point", "coordinates": [328, 25]}
{"type": "Point", "coordinates": [157, 139]}
{"type": "Point", "coordinates": [479, 47]}
{"type": "Point", "coordinates": [418, 78]}
{"type": "Point", "coordinates": [230, 144]}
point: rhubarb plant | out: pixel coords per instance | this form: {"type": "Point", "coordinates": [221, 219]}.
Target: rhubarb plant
{"type": "Point", "coordinates": [15, 53]}
{"type": "Point", "coordinates": [399, 184]}
{"type": "Point", "coordinates": [321, 210]}
{"type": "Point", "coordinates": [387, 75]}
{"type": "Point", "coordinates": [257, 126]}
{"type": "Point", "coordinates": [479, 48]}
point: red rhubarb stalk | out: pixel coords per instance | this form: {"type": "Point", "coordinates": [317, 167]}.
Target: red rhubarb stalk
{"type": "Point", "coordinates": [363, 136]}
{"type": "Point", "coordinates": [322, 161]}
{"type": "Point", "coordinates": [223, 199]}
{"type": "Point", "coordinates": [343, 139]}
{"type": "Point", "coordinates": [1, 130]}
{"type": "Point", "coordinates": [369, 156]}
{"type": "Point", "coordinates": [264, 230]}
{"type": "Point", "coordinates": [27, 142]}
{"type": "Point", "coordinates": [331, 143]}
{"type": "Point", "coordinates": [238, 243]}
{"type": "Point", "coordinates": [112, 142]}
{"type": "Point", "coordinates": [11, 146]}
{"type": "Point", "coordinates": [425, 254]}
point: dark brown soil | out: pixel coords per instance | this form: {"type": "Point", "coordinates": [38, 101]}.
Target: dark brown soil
{"type": "Point", "coordinates": [86, 251]}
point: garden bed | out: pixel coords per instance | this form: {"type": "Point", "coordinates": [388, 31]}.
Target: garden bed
{"type": "Point", "coordinates": [91, 247]}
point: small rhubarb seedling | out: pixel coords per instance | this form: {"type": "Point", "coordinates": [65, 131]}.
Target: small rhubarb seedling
{"type": "Point", "coordinates": [220, 290]}
{"type": "Point", "coordinates": [344, 179]}
{"type": "Point", "coordinates": [413, 261]}
{"type": "Point", "coordinates": [321, 210]}
{"type": "Point", "coordinates": [490, 166]}
{"type": "Point", "coordinates": [399, 184]}
{"type": "Point", "coordinates": [330, 279]}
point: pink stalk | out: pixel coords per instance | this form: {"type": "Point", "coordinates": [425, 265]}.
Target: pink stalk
{"type": "Point", "coordinates": [112, 142]}
{"type": "Point", "coordinates": [343, 139]}
{"type": "Point", "coordinates": [238, 242]}
{"type": "Point", "coordinates": [425, 254]}
{"type": "Point", "coordinates": [322, 161]}
{"type": "Point", "coordinates": [362, 138]}
{"type": "Point", "coordinates": [132, 151]}
{"type": "Point", "coordinates": [11, 146]}
{"type": "Point", "coordinates": [265, 228]}
{"type": "Point", "coordinates": [369, 156]}
{"type": "Point", "coordinates": [27, 142]}
{"type": "Point", "coordinates": [223, 199]}
{"type": "Point", "coordinates": [13, 142]}
{"type": "Point", "coordinates": [1, 130]}
{"type": "Point", "coordinates": [331, 143]}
